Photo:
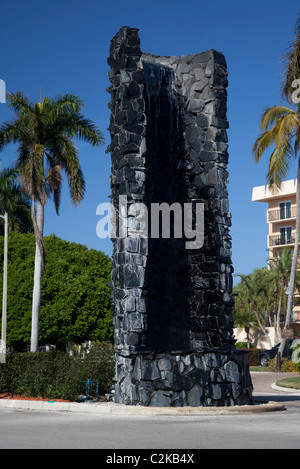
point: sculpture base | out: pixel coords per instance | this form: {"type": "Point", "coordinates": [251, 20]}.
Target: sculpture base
{"type": "Point", "coordinates": [187, 379]}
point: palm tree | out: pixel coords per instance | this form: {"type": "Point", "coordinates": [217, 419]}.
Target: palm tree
{"type": "Point", "coordinates": [44, 132]}
{"type": "Point", "coordinates": [280, 267]}
{"type": "Point", "coordinates": [244, 319]}
{"type": "Point", "coordinates": [14, 202]}
{"type": "Point", "coordinates": [256, 296]}
{"type": "Point", "coordinates": [292, 64]}
{"type": "Point", "coordinates": [280, 129]}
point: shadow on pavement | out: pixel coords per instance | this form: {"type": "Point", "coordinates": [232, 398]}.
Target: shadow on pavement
{"type": "Point", "coordinates": [277, 398]}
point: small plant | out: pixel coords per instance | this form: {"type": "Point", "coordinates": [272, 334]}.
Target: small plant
{"type": "Point", "coordinates": [287, 366]}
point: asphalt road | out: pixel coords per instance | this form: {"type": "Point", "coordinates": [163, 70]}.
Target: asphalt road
{"type": "Point", "coordinates": [61, 430]}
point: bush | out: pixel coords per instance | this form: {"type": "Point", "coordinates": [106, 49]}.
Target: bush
{"type": "Point", "coordinates": [242, 345]}
{"type": "Point", "coordinates": [55, 375]}
{"type": "Point", "coordinates": [286, 365]}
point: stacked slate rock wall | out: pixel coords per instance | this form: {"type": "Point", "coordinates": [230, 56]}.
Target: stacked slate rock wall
{"type": "Point", "coordinates": [172, 305]}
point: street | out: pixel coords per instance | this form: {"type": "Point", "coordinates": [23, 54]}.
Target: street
{"type": "Point", "coordinates": [37, 430]}
{"type": "Point", "coordinates": [30, 429]}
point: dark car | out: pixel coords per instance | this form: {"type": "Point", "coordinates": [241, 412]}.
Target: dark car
{"type": "Point", "coordinates": [266, 355]}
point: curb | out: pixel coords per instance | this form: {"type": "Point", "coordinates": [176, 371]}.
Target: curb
{"type": "Point", "coordinates": [118, 409]}
{"type": "Point", "coordinates": [292, 391]}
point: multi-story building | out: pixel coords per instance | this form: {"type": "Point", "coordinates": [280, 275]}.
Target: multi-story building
{"type": "Point", "coordinates": [281, 219]}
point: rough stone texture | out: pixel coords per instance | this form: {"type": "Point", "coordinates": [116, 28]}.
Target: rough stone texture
{"type": "Point", "coordinates": [194, 379]}
{"type": "Point", "coordinates": [172, 306]}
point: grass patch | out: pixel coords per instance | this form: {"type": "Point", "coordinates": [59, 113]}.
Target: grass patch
{"type": "Point", "coordinates": [293, 383]}
{"type": "Point", "coordinates": [259, 368]}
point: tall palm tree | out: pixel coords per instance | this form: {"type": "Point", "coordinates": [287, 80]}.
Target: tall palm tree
{"type": "Point", "coordinates": [14, 202]}
{"type": "Point", "coordinates": [256, 296]}
{"type": "Point", "coordinates": [44, 132]}
{"type": "Point", "coordinates": [280, 129]}
{"type": "Point", "coordinates": [244, 319]}
{"type": "Point", "coordinates": [292, 64]}
{"type": "Point", "coordinates": [280, 267]}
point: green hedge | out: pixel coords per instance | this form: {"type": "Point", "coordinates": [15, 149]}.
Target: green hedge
{"type": "Point", "coordinates": [55, 375]}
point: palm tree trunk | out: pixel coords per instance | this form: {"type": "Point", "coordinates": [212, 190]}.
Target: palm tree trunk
{"type": "Point", "coordinates": [262, 327]}
{"type": "Point", "coordinates": [277, 324]}
{"type": "Point", "coordinates": [294, 266]}
{"type": "Point", "coordinates": [36, 297]}
{"type": "Point", "coordinates": [247, 330]}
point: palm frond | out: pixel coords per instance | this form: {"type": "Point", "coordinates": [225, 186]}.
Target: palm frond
{"type": "Point", "coordinates": [279, 125]}
{"type": "Point", "coordinates": [65, 104]}
{"type": "Point", "coordinates": [10, 132]}
{"type": "Point", "coordinates": [67, 156]}
{"type": "Point", "coordinates": [20, 104]}
{"type": "Point", "coordinates": [54, 181]}
{"type": "Point", "coordinates": [32, 173]}
{"type": "Point", "coordinates": [291, 62]}
{"type": "Point", "coordinates": [279, 165]}
{"type": "Point", "coordinates": [14, 202]}
{"type": "Point", "coordinates": [272, 114]}
{"type": "Point", "coordinates": [77, 126]}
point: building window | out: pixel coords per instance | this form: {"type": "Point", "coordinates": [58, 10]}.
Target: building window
{"type": "Point", "coordinates": [285, 210]}
{"type": "Point", "coordinates": [286, 235]}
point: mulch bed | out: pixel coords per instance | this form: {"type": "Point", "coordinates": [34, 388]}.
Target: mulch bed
{"type": "Point", "coordinates": [7, 395]}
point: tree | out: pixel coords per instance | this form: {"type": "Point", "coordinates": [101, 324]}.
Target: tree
{"type": "Point", "coordinates": [253, 298]}
{"type": "Point", "coordinates": [244, 317]}
{"type": "Point", "coordinates": [75, 299]}
{"type": "Point", "coordinates": [280, 128]}
{"type": "Point", "coordinates": [292, 64]}
{"type": "Point", "coordinates": [44, 133]}
{"type": "Point", "coordinates": [280, 267]}
{"type": "Point", "coordinates": [15, 203]}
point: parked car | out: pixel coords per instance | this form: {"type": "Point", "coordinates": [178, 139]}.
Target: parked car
{"type": "Point", "coordinates": [266, 355]}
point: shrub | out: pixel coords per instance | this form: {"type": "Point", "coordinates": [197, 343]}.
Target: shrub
{"type": "Point", "coordinates": [286, 365]}
{"type": "Point", "coordinates": [242, 345]}
{"type": "Point", "coordinates": [55, 375]}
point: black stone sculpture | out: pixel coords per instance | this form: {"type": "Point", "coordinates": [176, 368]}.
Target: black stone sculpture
{"type": "Point", "coordinates": [172, 304]}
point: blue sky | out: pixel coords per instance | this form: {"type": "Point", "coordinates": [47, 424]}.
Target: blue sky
{"type": "Point", "coordinates": [62, 46]}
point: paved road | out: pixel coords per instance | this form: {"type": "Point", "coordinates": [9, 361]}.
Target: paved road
{"type": "Point", "coordinates": [41, 430]}
{"type": "Point", "coordinates": [262, 381]}
{"type": "Point", "coordinates": [263, 391]}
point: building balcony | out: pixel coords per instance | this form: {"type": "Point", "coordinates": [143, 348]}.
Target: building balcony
{"type": "Point", "coordinates": [279, 241]}
{"type": "Point", "coordinates": [276, 214]}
